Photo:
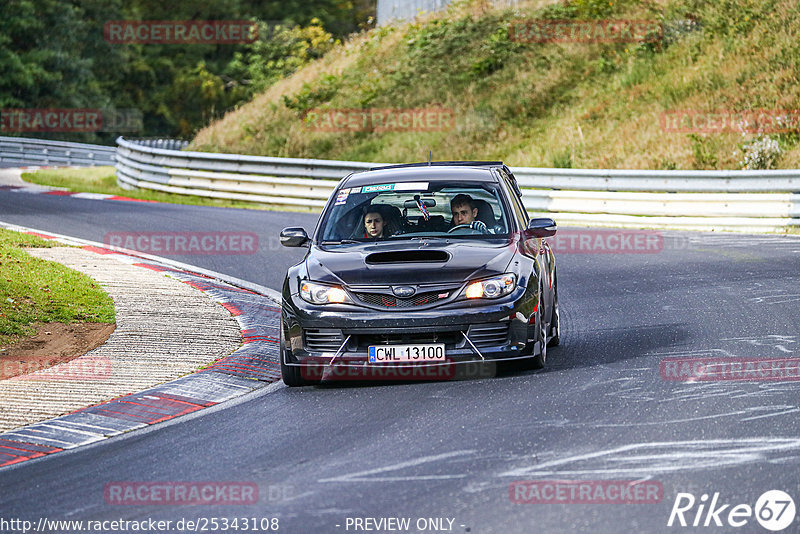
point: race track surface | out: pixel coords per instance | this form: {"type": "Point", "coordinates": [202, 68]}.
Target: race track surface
{"type": "Point", "coordinates": [604, 409]}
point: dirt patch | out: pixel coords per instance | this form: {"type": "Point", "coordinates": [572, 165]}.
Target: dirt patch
{"type": "Point", "coordinates": [54, 343]}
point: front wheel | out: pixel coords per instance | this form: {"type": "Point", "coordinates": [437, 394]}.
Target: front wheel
{"type": "Point", "coordinates": [540, 343]}
{"type": "Point", "coordinates": [555, 321]}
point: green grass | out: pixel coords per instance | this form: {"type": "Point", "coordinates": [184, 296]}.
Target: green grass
{"type": "Point", "coordinates": [580, 105]}
{"type": "Point", "coordinates": [36, 291]}
{"type": "Point", "coordinates": [104, 180]}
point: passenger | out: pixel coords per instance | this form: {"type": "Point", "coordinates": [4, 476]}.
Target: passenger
{"type": "Point", "coordinates": [464, 212]}
{"type": "Point", "coordinates": [373, 225]}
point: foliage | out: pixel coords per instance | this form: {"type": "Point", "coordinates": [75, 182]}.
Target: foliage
{"type": "Point", "coordinates": [704, 156]}
{"type": "Point", "coordinates": [760, 153]}
{"type": "Point", "coordinates": [311, 96]}
{"type": "Point", "coordinates": [287, 50]}
{"type": "Point", "coordinates": [583, 104]}
{"type": "Point", "coordinates": [53, 55]}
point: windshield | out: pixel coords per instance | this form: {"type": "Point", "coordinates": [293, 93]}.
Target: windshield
{"type": "Point", "coordinates": [394, 211]}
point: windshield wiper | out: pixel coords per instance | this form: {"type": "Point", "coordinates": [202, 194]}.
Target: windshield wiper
{"type": "Point", "coordinates": [420, 237]}
{"type": "Point", "coordinates": [341, 242]}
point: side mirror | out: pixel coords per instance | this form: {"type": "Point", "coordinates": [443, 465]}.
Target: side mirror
{"type": "Point", "coordinates": [542, 227]}
{"type": "Point", "coordinates": [294, 237]}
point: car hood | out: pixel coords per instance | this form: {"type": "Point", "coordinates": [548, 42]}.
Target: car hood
{"type": "Point", "coordinates": [409, 263]}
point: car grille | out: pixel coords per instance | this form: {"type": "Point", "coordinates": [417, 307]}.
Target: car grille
{"type": "Point", "coordinates": [483, 335]}
{"type": "Point", "coordinates": [390, 301]}
{"type": "Point", "coordinates": [450, 339]}
{"type": "Point", "coordinates": [323, 340]}
{"type": "Point", "coordinates": [487, 335]}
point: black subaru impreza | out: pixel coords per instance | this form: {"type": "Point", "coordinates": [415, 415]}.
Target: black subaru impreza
{"type": "Point", "coordinates": [416, 270]}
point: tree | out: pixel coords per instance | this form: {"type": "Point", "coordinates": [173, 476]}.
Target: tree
{"type": "Point", "coordinates": [53, 55]}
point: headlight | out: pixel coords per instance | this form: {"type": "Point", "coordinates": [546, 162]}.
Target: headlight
{"type": "Point", "coordinates": [491, 288]}
{"type": "Point", "coordinates": [322, 294]}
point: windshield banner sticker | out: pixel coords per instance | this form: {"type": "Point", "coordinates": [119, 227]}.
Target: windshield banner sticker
{"type": "Point", "coordinates": [377, 188]}
{"type": "Point", "coordinates": [341, 198]}
{"type": "Point", "coordinates": [407, 186]}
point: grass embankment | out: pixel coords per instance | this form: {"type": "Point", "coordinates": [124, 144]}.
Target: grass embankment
{"type": "Point", "coordinates": [582, 105]}
{"type": "Point", "coordinates": [34, 291]}
{"type": "Point", "coordinates": [104, 180]}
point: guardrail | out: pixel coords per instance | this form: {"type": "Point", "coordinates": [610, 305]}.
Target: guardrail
{"type": "Point", "coordinates": [157, 142]}
{"type": "Point", "coordinates": [732, 200]}
{"type": "Point", "coordinates": [304, 183]}
{"type": "Point", "coordinates": [25, 151]}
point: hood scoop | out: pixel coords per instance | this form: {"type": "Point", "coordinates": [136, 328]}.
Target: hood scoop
{"type": "Point", "coordinates": [407, 256]}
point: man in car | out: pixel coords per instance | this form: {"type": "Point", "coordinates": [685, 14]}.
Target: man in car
{"type": "Point", "coordinates": [464, 212]}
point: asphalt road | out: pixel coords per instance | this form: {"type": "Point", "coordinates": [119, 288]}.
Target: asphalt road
{"type": "Point", "coordinates": [601, 410]}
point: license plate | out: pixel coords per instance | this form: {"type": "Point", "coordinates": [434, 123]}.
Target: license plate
{"type": "Point", "coordinates": [406, 353]}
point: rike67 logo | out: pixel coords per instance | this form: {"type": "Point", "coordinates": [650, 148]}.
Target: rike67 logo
{"type": "Point", "coordinates": [774, 510]}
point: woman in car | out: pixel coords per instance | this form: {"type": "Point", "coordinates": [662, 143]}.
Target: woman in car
{"type": "Point", "coordinates": [379, 222]}
{"type": "Point", "coordinates": [373, 225]}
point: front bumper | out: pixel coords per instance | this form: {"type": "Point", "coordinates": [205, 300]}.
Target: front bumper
{"type": "Point", "coordinates": [472, 331]}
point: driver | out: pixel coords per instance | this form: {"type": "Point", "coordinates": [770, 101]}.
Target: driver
{"type": "Point", "coordinates": [464, 212]}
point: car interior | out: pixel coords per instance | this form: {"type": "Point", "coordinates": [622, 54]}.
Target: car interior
{"type": "Point", "coordinates": [402, 214]}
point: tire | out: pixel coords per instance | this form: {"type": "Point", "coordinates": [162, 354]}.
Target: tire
{"type": "Point", "coordinates": [554, 330]}
{"type": "Point", "coordinates": [537, 361]}
{"type": "Point", "coordinates": [291, 374]}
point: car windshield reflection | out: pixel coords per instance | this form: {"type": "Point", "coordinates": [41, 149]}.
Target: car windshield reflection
{"type": "Point", "coordinates": [418, 210]}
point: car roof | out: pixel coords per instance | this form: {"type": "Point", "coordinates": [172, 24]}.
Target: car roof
{"type": "Point", "coordinates": [422, 173]}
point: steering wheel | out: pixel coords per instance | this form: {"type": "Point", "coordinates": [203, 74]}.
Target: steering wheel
{"type": "Point", "coordinates": [460, 227]}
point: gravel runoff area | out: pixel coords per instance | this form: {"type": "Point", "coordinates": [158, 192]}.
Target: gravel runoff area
{"type": "Point", "coordinates": [165, 329]}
